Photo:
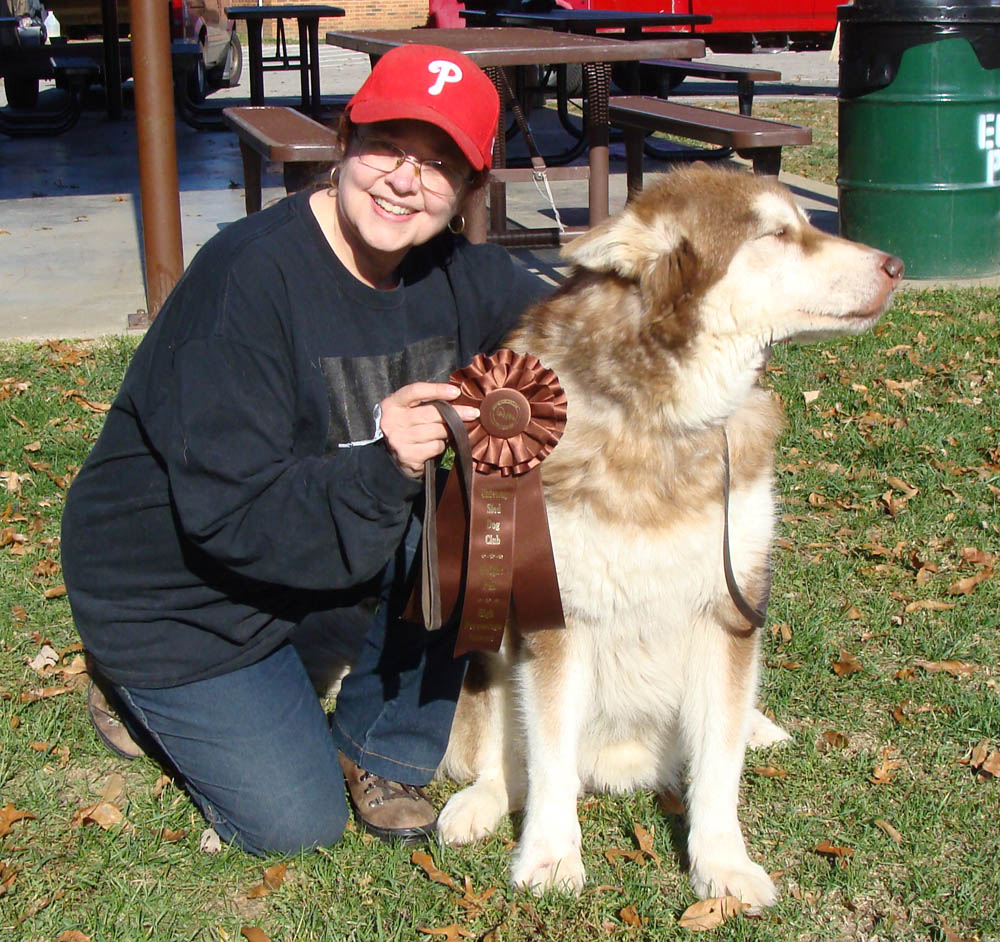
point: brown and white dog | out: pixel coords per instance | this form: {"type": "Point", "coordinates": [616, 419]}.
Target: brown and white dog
{"type": "Point", "coordinates": [658, 337]}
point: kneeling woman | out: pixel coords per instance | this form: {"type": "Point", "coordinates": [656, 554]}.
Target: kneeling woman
{"type": "Point", "coordinates": [256, 477]}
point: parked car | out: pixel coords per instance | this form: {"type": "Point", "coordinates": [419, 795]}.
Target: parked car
{"type": "Point", "coordinates": [23, 63]}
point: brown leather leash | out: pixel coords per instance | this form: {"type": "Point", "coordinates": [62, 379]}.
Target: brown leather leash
{"type": "Point", "coordinates": [756, 616]}
{"type": "Point", "coordinates": [430, 584]}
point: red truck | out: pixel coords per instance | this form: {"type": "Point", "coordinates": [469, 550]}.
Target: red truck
{"type": "Point", "coordinates": [743, 25]}
{"type": "Point", "coordinates": [737, 25]}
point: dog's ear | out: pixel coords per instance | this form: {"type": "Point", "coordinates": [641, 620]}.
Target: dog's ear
{"type": "Point", "coordinates": [626, 244]}
{"type": "Point", "coordinates": [672, 276]}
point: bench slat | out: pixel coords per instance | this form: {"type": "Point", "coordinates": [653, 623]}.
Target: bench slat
{"type": "Point", "coordinates": [725, 73]}
{"type": "Point", "coordinates": [283, 135]}
{"type": "Point", "coordinates": [755, 138]}
{"type": "Point", "coordinates": [703, 124]}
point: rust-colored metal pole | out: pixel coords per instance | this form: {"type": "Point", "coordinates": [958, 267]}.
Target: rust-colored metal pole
{"type": "Point", "coordinates": [158, 184]}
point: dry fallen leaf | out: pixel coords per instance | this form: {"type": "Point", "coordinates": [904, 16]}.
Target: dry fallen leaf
{"type": "Point", "coordinates": [253, 934]}
{"type": "Point", "coordinates": [46, 657]}
{"type": "Point", "coordinates": [769, 771]}
{"type": "Point", "coordinates": [7, 877]}
{"type": "Point", "coordinates": [30, 696]}
{"type": "Point", "coordinates": [172, 835]}
{"type": "Point", "coordinates": [103, 814]}
{"type": "Point", "coordinates": [886, 770]}
{"type": "Point", "coordinates": [708, 914]}
{"type": "Point", "coordinates": [9, 815]}
{"type": "Point", "coordinates": [977, 557]}
{"type": "Point", "coordinates": [968, 585]}
{"type": "Point", "coordinates": [644, 839]}
{"type": "Point", "coordinates": [899, 716]}
{"type": "Point", "coordinates": [426, 863]}
{"type": "Point", "coordinates": [72, 935]}
{"type": "Point", "coordinates": [847, 665]}
{"type": "Point", "coordinates": [451, 933]}
{"type": "Point", "coordinates": [273, 878]}
{"type": "Point", "coordinates": [892, 833]}
{"type": "Point", "coordinates": [950, 935]}
{"type": "Point", "coordinates": [955, 668]}
{"type": "Point", "coordinates": [983, 761]}
{"type": "Point", "coordinates": [840, 854]}
{"type": "Point", "coordinates": [908, 489]}
{"type": "Point", "coordinates": [630, 917]}
{"type": "Point", "coordinates": [932, 605]}
{"type": "Point", "coordinates": [645, 849]}
{"type": "Point", "coordinates": [472, 901]}
{"type": "Point", "coordinates": [834, 739]}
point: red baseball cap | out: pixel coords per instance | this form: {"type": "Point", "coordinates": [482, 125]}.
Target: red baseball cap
{"type": "Point", "coordinates": [436, 85]}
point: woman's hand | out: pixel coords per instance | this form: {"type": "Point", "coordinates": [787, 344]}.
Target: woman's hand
{"type": "Point", "coordinates": [414, 430]}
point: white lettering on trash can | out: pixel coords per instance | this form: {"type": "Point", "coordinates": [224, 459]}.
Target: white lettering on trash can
{"type": "Point", "coordinates": [988, 138]}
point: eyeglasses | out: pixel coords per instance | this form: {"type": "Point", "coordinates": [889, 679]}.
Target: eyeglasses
{"type": "Point", "coordinates": [435, 176]}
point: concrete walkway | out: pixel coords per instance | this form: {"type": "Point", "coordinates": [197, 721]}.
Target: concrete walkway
{"type": "Point", "coordinates": [70, 227]}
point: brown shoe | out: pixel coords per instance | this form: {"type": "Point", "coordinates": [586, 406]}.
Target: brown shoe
{"type": "Point", "coordinates": [389, 810]}
{"type": "Point", "coordinates": [109, 727]}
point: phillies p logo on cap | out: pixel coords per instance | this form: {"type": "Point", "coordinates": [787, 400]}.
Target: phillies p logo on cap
{"type": "Point", "coordinates": [446, 72]}
{"type": "Point", "coordinates": [437, 85]}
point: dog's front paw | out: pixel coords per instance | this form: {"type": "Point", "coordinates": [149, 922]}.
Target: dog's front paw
{"type": "Point", "coordinates": [471, 814]}
{"type": "Point", "coordinates": [743, 879]}
{"type": "Point", "coordinates": [764, 732]}
{"type": "Point", "coordinates": [542, 869]}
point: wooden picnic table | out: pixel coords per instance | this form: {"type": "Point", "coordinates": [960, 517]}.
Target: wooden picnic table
{"type": "Point", "coordinates": [493, 48]}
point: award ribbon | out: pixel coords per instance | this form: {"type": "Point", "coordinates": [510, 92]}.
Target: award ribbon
{"type": "Point", "coordinates": [494, 497]}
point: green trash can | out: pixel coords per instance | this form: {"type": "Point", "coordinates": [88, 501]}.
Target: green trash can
{"type": "Point", "coordinates": [919, 134]}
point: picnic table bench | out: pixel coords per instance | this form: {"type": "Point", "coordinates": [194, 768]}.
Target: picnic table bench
{"type": "Point", "coordinates": [663, 75]}
{"type": "Point", "coordinates": [302, 146]}
{"type": "Point", "coordinates": [73, 73]}
{"type": "Point", "coordinates": [760, 141]}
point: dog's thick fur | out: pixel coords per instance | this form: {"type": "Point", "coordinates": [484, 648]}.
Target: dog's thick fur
{"type": "Point", "coordinates": [658, 337]}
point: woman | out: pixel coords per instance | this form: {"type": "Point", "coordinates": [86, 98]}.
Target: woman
{"type": "Point", "coordinates": [257, 474]}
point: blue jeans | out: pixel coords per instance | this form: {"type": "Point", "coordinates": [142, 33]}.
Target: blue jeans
{"type": "Point", "coordinates": [256, 751]}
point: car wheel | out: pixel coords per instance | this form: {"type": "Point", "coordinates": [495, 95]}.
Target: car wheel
{"type": "Point", "coordinates": [197, 81]}
{"type": "Point", "coordinates": [21, 92]}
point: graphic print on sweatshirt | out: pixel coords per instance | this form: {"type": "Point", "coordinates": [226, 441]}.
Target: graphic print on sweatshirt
{"type": "Point", "coordinates": [356, 385]}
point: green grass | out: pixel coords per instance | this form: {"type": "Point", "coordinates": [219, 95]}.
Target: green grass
{"type": "Point", "coordinates": [914, 401]}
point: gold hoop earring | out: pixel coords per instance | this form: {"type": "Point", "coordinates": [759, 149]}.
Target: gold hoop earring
{"type": "Point", "coordinates": [334, 173]}
{"type": "Point", "coordinates": [457, 224]}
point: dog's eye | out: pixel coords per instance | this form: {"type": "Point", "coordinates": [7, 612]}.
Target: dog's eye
{"type": "Point", "coordinates": [778, 233]}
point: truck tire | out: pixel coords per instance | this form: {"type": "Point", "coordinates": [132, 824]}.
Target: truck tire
{"type": "Point", "coordinates": [234, 61]}
{"type": "Point", "coordinates": [197, 80]}
{"type": "Point", "coordinates": [227, 73]}
{"type": "Point", "coordinates": [21, 92]}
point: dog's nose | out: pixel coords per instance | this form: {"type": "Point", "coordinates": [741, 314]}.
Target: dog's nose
{"type": "Point", "coordinates": [893, 267]}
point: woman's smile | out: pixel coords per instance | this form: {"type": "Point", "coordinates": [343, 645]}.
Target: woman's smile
{"type": "Point", "coordinates": [394, 209]}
